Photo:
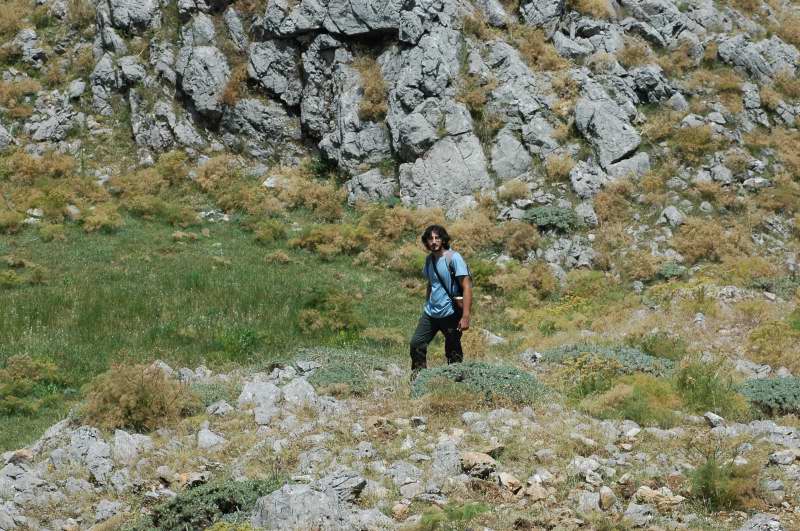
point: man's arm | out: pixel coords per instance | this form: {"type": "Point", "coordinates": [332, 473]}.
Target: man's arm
{"type": "Point", "coordinates": [466, 291]}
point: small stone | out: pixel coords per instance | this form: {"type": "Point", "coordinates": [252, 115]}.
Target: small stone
{"type": "Point", "coordinates": [536, 492]}
{"type": "Point", "coordinates": [400, 511]}
{"type": "Point", "coordinates": [509, 482]}
{"type": "Point", "coordinates": [607, 498]}
{"type": "Point", "coordinates": [478, 464]}
{"type": "Point", "coordinates": [713, 419]}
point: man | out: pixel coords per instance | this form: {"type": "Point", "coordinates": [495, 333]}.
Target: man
{"type": "Point", "coordinates": [449, 300]}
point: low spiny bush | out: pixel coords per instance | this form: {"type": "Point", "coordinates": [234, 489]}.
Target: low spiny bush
{"type": "Point", "coordinates": [489, 381]}
{"type": "Point", "coordinates": [774, 396]}
{"type": "Point", "coordinates": [136, 397]}
{"type": "Point", "coordinates": [630, 359]}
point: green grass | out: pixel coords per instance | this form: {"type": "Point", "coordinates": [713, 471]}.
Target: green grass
{"type": "Point", "coordinates": [136, 296]}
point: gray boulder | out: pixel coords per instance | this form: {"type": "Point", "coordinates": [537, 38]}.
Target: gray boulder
{"type": "Point", "coordinates": [761, 60]}
{"type": "Point", "coordinates": [671, 216]}
{"type": "Point", "coordinates": [299, 393]}
{"type": "Point", "coordinates": [104, 81]}
{"type": "Point", "coordinates": [353, 142]}
{"type": "Point", "coordinates": [494, 12]}
{"type": "Point", "coordinates": [27, 41]}
{"type": "Point", "coordinates": [446, 460]}
{"type": "Point", "coordinates": [632, 167]}
{"type": "Point", "coordinates": [518, 95]}
{"type": "Point", "coordinates": [661, 22]}
{"type": "Point", "coordinates": [762, 522]}
{"type": "Point", "coordinates": [605, 125]}
{"type": "Point", "coordinates": [455, 166]}
{"type": "Point", "coordinates": [6, 138]}
{"type": "Point", "coordinates": [320, 60]}
{"type": "Point", "coordinates": [87, 448]}
{"type": "Point", "coordinates": [162, 59]}
{"type": "Point", "coordinates": [52, 120]}
{"type": "Point", "coordinates": [509, 157]}
{"type": "Point", "coordinates": [233, 23]}
{"type": "Point", "coordinates": [371, 186]}
{"type": "Point", "coordinates": [275, 65]}
{"type": "Point", "coordinates": [208, 440]}
{"type": "Point", "coordinates": [260, 128]}
{"type": "Point", "coordinates": [135, 16]}
{"type": "Point", "coordinates": [302, 507]}
{"type": "Point", "coordinates": [347, 484]}
{"type": "Point", "coordinates": [202, 74]}
{"type": "Point", "coordinates": [199, 31]}
{"type": "Point", "coordinates": [106, 509]}
{"type": "Point", "coordinates": [159, 128]}
{"type": "Point", "coordinates": [542, 13]}
{"type": "Point", "coordinates": [131, 70]}
{"type": "Point", "coordinates": [650, 84]}
{"type": "Point", "coordinates": [127, 446]}
{"type": "Point", "coordinates": [587, 179]}
{"type": "Point", "coordinates": [285, 18]}
{"type": "Point", "coordinates": [257, 392]}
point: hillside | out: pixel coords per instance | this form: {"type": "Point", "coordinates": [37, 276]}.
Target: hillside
{"type": "Point", "coordinates": [209, 233]}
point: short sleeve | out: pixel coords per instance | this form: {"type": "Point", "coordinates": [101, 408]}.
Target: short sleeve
{"type": "Point", "coordinates": [460, 266]}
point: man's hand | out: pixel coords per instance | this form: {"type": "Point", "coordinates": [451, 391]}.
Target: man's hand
{"type": "Point", "coordinates": [463, 324]}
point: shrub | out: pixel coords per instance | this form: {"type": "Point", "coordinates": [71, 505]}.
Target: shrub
{"type": "Point", "coordinates": [776, 343]}
{"type": "Point", "coordinates": [374, 104]}
{"type": "Point", "coordinates": [269, 231]}
{"type": "Point", "coordinates": [660, 344]}
{"type": "Point", "coordinates": [773, 396]}
{"type": "Point", "coordinates": [640, 265]}
{"type": "Point", "coordinates": [693, 144]}
{"type": "Point", "coordinates": [589, 374]}
{"type": "Point", "coordinates": [324, 199]}
{"type": "Point", "coordinates": [136, 397]}
{"type": "Point", "coordinates": [784, 286]}
{"type": "Point", "coordinates": [513, 190]}
{"type": "Point", "coordinates": [553, 217]}
{"type": "Point", "coordinates": [636, 52]}
{"type": "Point", "coordinates": [671, 270]}
{"type": "Point", "coordinates": [614, 202]}
{"type": "Point", "coordinates": [343, 372]}
{"type": "Point", "coordinates": [642, 398]}
{"type": "Point", "coordinates": [679, 61]}
{"type": "Point", "coordinates": [474, 93]}
{"type": "Point", "coordinates": [594, 8]}
{"type": "Point", "coordinates": [520, 239]}
{"type": "Point", "coordinates": [699, 239]}
{"type": "Point", "coordinates": [201, 506]}
{"type": "Point", "coordinates": [20, 167]}
{"type": "Point", "coordinates": [558, 167]}
{"type": "Point", "coordinates": [332, 240]}
{"type": "Point", "coordinates": [11, 18]}
{"type": "Point", "coordinates": [10, 221]}
{"type": "Point", "coordinates": [630, 359]}
{"type": "Point", "coordinates": [475, 231]}
{"type": "Point", "coordinates": [709, 387]}
{"type": "Point", "coordinates": [724, 486]}
{"type": "Point", "coordinates": [490, 381]}
{"type": "Point", "coordinates": [329, 310]}
{"type": "Point", "coordinates": [49, 232]}
{"type": "Point", "coordinates": [105, 217]}
{"type": "Point", "coordinates": [27, 383]}
{"type": "Point", "coordinates": [535, 50]}
{"type": "Point", "coordinates": [237, 84]}
{"type": "Point", "coordinates": [451, 515]}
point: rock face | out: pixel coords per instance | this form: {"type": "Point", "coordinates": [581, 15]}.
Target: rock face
{"type": "Point", "coordinates": [301, 507]}
{"type": "Point", "coordinates": [275, 65]}
{"type": "Point", "coordinates": [454, 167]}
{"type": "Point", "coordinates": [761, 60]}
{"type": "Point", "coordinates": [202, 74]}
{"type": "Point", "coordinates": [133, 15]}
{"type": "Point", "coordinates": [605, 125]}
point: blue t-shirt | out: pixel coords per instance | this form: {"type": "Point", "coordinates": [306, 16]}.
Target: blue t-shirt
{"type": "Point", "coordinates": [439, 304]}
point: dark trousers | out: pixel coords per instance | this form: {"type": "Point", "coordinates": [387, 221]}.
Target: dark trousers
{"type": "Point", "coordinates": [426, 330]}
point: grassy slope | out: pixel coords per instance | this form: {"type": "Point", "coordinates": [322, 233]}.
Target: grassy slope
{"type": "Point", "coordinates": [137, 296]}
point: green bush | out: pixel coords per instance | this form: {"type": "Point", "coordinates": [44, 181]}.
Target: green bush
{"type": "Point", "coordinates": [722, 485]}
{"type": "Point", "coordinates": [451, 516]}
{"type": "Point", "coordinates": [784, 287]}
{"type": "Point", "coordinates": [329, 310]}
{"type": "Point", "coordinates": [552, 217]}
{"type": "Point", "coordinates": [773, 396]}
{"type": "Point", "coordinates": [642, 398]}
{"type": "Point", "coordinates": [671, 270]}
{"type": "Point", "coordinates": [709, 387]}
{"type": "Point", "coordinates": [200, 507]}
{"type": "Point", "coordinates": [26, 384]}
{"type": "Point", "coordinates": [269, 231]}
{"type": "Point", "coordinates": [660, 345]}
{"type": "Point", "coordinates": [488, 380]}
{"type": "Point", "coordinates": [630, 359]}
{"type": "Point", "coordinates": [343, 372]}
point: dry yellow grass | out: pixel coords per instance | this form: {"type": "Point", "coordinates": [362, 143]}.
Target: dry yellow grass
{"type": "Point", "coordinates": [513, 190]}
{"type": "Point", "coordinates": [635, 52]}
{"type": "Point", "coordinates": [374, 104]}
{"type": "Point", "coordinates": [559, 166]}
{"type": "Point", "coordinates": [600, 9]}
{"type": "Point", "coordinates": [535, 50]}
{"type": "Point", "coordinates": [12, 17]}
{"type": "Point", "coordinates": [678, 61]}
{"type": "Point", "coordinates": [613, 204]}
{"type": "Point", "coordinates": [237, 84]}
{"type": "Point", "coordinates": [661, 125]}
{"type": "Point", "coordinates": [788, 84]}
{"type": "Point", "coordinates": [13, 94]}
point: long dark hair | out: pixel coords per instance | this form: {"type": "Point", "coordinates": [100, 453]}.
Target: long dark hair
{"type": "Point", "coordinates": [441, 231]}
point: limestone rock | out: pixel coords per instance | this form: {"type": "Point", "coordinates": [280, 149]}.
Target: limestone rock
{"type": "Point", "coordinates": [275, 65]}
{"type": "Point", "coordinates": [541, 13]}
{"type": "Point", "coordinates": [606, 126]}
{"type": "Point", "coordinates": [260, 128]}
{"type": "Point", "coordinates": [477, 464]}
{"type": "Point", "coordinates": [455, 166]}
{"type": "Point", "coordinates": [371, 186]}
{"type": "Point", "coordinates": [509, 157]}
{"type": "Point", "coordinates": [202, 74]}
{"type": "Point", "coordinates": [134, 15]}
{"type": "Point", "coordinates": [301, 507]}
{"type": "Point", "coordinates": [761, 60]}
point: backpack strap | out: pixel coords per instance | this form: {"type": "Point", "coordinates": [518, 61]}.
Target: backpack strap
{"type": "Point", "coordinates": [441, 281]}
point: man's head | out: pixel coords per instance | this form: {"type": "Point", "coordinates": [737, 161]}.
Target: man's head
{"type": "Point", "coordinates": [435, 238]}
